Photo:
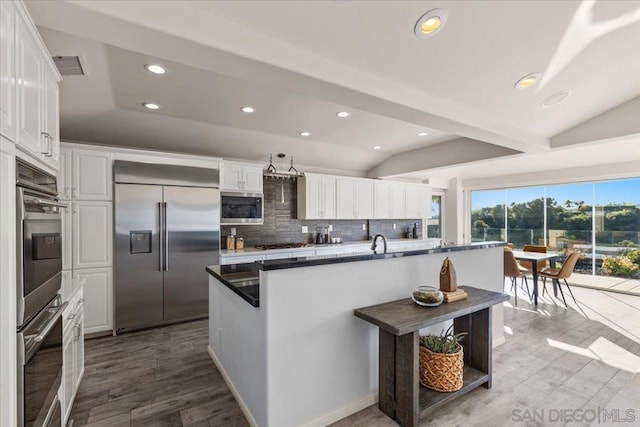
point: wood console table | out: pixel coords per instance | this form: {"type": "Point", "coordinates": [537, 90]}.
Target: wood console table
{"type": "Point", "coordinates": [400, 395]}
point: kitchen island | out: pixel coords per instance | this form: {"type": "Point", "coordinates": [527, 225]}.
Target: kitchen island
{"type": "Point", "coordinates": [283, 333]}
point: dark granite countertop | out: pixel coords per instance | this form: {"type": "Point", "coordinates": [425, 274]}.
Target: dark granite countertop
{"type": "Point", "coordinates": [244, 280]}
{"type": "Point", "coordinates": [280, 264]}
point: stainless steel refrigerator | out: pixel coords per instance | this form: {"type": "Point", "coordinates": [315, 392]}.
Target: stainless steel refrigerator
{"type": "Point", "coordinates": [167, 230]}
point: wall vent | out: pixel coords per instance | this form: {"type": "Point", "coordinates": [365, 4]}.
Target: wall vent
{"type": "Point", "coordinates": [69, 65]}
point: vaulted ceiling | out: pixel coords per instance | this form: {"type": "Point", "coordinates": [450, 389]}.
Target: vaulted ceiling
{"type": "Point", "coordinates": [299, 63]}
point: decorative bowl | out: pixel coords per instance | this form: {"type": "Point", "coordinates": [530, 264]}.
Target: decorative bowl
{"type": "Point", "coordinates": [427, 296]}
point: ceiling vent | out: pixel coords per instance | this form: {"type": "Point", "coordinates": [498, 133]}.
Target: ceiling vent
{"type": "Point", "coordinates": [69, 65]}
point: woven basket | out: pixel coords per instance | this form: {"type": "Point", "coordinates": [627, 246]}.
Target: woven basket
{"type": "Point", "coordinates": [441, 372]}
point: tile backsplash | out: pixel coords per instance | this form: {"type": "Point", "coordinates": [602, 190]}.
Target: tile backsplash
{"type": "Point", "coordinates": [282, 226]}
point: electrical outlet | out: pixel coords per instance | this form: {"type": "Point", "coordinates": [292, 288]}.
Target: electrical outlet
{"type": "Point", "coordinates": [364, 227]}
{"type": "Point", "coordinates": [330, 227]}
{"type": "Point", "coordinates": [305, 229]}
{"type": "Point", "coordinates": [233, 231]}
{"type": "Point", "coordinates": [394, 226]}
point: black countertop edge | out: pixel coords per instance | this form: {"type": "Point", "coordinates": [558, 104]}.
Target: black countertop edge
{"type": "Point", "coordinates": [281, 264]}
{"type": "Point", "coordinates": [216, 272]}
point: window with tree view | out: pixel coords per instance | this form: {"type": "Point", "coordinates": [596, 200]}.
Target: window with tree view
{"type": "Point", "coordinates": [601, 220]}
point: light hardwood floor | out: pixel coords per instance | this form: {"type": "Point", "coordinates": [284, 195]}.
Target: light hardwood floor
{"type": "Point", "coordinates": [585, 357]}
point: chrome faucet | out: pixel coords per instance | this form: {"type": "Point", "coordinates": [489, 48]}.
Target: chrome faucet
{"type": "Point", "coordinates": [375, 239]}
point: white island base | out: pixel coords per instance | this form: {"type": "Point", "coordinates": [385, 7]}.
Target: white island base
{"type": "Point", "coordinates": [302, 358]}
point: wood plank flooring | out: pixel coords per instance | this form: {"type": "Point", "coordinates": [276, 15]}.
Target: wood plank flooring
{"type": "Point", "coordinates": [585, 357]}
{"type": "Point", "coordinates": [158, 377]}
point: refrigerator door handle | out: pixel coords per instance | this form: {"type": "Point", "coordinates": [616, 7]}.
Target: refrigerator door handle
{"type": "Point", "coordinates": [160, 235]}
{"type": "Point", "coordinates": [166, 238]}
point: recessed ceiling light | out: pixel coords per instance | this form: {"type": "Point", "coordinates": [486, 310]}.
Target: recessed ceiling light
{"type": "Point", "coordinates": [151, 105]}
{"type": "Point", "coordinates": [430, 23]}
{"type": "Point", "coordinates": [155, 68]}
{"type": "Point", "coordinates": [423, 133]}
{"type": "Point", "coordinates": [305, 133]}
{"type": "Point", "coordinates": [248, 109]}
{"type": "Point", "coordinates": [377, 147]}
{"type": "Point", "coordinates": [343, 114]}
{"type": "Point", "coordinates": [527, 81]}
{"type": "Point", "coordinates": [556, 98]}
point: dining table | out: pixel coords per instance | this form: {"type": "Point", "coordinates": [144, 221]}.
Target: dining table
{"type": "Point", "coordinates": [535, 258]}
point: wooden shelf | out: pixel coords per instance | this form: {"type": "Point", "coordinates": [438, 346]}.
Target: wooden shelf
{"type": "Point", "coordinates": [400, 395]}
{"type": "Point", "coordinates": [431, 399]}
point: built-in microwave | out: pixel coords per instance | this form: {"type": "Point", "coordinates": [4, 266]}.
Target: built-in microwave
{"type": "Point", "coordinates": [241, 208]}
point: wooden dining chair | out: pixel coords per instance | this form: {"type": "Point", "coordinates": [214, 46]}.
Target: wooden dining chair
{"type": "Point", "coordinates": [513, 271]}
{"type": "Point", "coordinates": [563, 273]}
{"type": "Point", "coordinates": [534, 248]}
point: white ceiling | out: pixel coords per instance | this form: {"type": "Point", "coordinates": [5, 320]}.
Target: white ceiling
{"type": "Point", "coordinates": [301, 62]}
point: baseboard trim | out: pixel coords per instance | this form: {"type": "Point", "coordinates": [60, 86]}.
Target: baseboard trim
{"type": "Point", "coordinates": [243, 407]}
{"type": "Point", "coordinates": [499, 341]}
{"type": "Point", "coordinates": [345, 411]}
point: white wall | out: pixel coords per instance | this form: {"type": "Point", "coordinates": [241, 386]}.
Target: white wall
{"type": "Point", "coordinates": [237, 336]}
{"type": "Point", "coordinates": [454, 213]}
{"type": "Point", "coordinates": [8, 384]}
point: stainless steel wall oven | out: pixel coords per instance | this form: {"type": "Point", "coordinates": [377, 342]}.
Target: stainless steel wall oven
{"type": "Point", "coordinates": [40, 367]}
{"type": "Point", "coordinates": [39, 307]}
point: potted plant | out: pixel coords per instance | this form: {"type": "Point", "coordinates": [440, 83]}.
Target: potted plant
{"type": "Point", "coordinates": [442, 361]}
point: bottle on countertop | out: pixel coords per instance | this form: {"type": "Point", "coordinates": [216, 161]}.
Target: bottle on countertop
{"type": "Point", "coordinates": [239, 243]}
{"type": "Point", "coordinates": [231, 243]}
{"type": "Point", "coordinates": [327, 237]}
{"type": "Point", "coordinates": [415, 231]}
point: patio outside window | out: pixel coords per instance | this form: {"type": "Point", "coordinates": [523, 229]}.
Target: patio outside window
{"type": "Point", "coordinates": [601, 220]}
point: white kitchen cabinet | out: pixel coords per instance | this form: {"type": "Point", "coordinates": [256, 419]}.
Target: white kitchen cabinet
{"type": "Point", "coordinates": [398, 200]}
{"type": "Point", "coordinates": [67, 241]}
{"type": "Point", "coordinates": [418, 201]}
{"type": "Point", "coordinates": [240, 177]}
{"type": "Point", "coordinates": [317, 197]}
{"type": "Point", "coordinates": [50, 120]}
{"type": "Point", "coordinates": [240, 259]}
{"type": "Point", "coordinates": [68, 369]}
{"type": "Point", "coordinates": [424, 201]}
{"type": "Point", "coordinates": [92, 234]}
{"type": "Point", "coordinates": [28, 87]}
{"type": "Point", "coordinates": [364, 199]}
{"type": "Point", "coordinates": [92, 173]}
{"type": "Point", "coordinates": [8, 70]}
{"type": "Point", "coordinates": [389, 200]}
{"type": "Point", "coordinates": [29, 66]}
{"type": "Point", "coordinates": [72, 354]}
{"type": "Point", "coordinates": [382, 200]}
{"type": "Point", "coordinates": [98, 298]}
{"type": "Point", "coordinates": [354, 199]}
{"type": "Point", "coordinates": [78, 351]}
{"type": "Point", "coordinates": [64, 174]}
{"type": "Point", "coordinates": [252, 181]}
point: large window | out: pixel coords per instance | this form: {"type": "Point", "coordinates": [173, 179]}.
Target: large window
{"type": "Point", "coordinates": [488, 215]}
{"type": "Point", "coordinates": [600, 219]}
{"type": "Point", "coordinates": [434, 224]}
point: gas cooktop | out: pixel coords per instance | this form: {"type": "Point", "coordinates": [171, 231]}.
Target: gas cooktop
{"type": "Point", "coordinates": [282, 246]}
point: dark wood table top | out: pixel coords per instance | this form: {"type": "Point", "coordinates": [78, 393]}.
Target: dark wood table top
{"type": "Point", "coordinates": [404, 316]}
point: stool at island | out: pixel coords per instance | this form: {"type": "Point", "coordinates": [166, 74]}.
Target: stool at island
{"type": "Point", "coordinates": [400, 395]}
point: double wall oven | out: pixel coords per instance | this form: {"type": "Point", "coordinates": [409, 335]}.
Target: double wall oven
{"type": "Point", "coordinates": [39, 307]}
